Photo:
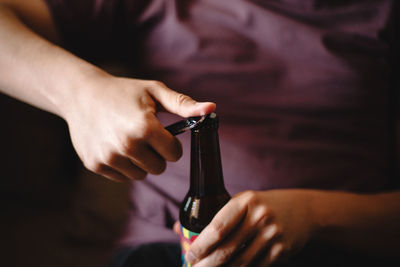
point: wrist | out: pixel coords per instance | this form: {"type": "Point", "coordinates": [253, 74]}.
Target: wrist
{"type": "Point", "coordinates": [318, 212]}
{"type": "Point", "coordinates": [331, 211]}
{"type": "Point", "coordinates": [81, 84]}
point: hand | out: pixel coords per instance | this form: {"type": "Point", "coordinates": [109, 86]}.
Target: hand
{"type": "Point", "coordinates": [255, 228]}
{"type": "Point", "coordinates": [115, 131]}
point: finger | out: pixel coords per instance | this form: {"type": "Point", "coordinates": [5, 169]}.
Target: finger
{"type": "Point", "coordinates": [177, 228]}
{"type": "Point", "coordinates": [165, 144]}
{"type": "Point", "coordinates": [230, 247]}
{"type": "Point", "coordinates": [260, 243]}
{"type": "Point", "coordinates": [111, 174]}
{"type": "Point", "coordinates": [152, 146]}
{"type": "Point", "coordinates": [179, 104]}
{"type": "Point", "coordinates": [125, 167]}
{"type": "Point", "coordinates": [144, 157]}
{"type": "Point", "coordinates": [229, 217]}
{"type": "Point", "coordinates": [274, 254]}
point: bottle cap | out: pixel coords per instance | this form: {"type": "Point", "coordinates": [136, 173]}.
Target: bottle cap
{"type": "Point", "coordinates": [206, 122]}
{"type": "Point", "coordinates": [194, 123]}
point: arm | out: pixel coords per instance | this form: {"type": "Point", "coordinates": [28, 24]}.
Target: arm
{"type": "Point", "coordinates": [363, 223]}
{"type": "Point", "coordinates": [276, 224]}
{"type": "Point", "coordinates": [111, 120]}
{"type": "Point", "coordinates": [27, 59]}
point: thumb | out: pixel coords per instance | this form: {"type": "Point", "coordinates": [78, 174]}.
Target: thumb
{"type": "Point", "coordinates": [177, 228]}
{"type": "Point", "coordinates": [178, 103]}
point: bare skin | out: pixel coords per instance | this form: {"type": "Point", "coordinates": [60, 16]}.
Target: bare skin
{"type": "Point", "coordinates": [116, 134]}
{"type": "Point", "coordinates": [111, 119]}
{"type": "Point", "coordinates": [277, 224]}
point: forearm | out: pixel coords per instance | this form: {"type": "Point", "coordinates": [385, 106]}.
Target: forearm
{"type": "Point", "coordinates": [363, 223]}
{"type": "Point", "coordinates": [36, 71]}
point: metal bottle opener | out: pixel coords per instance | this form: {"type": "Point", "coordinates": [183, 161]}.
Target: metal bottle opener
{"type": "Point", "coordinates": [190, 123]}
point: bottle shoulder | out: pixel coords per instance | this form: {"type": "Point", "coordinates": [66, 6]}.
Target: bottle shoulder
{"type": "Point", "coordinates": [196, 211]}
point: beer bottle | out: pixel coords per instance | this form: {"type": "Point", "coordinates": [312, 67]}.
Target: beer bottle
{"type": "Point", "coordinates": [207, 193]}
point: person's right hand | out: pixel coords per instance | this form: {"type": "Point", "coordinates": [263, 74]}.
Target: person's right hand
{"type": "Point", "coordinates": [114, 128]}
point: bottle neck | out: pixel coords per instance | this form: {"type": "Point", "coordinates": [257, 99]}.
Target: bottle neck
{"type": "Point", "coordinates": [205, 169]}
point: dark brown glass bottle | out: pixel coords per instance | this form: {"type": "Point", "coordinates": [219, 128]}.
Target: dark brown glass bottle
{"type": "Point", "coordinates": [207, 193]}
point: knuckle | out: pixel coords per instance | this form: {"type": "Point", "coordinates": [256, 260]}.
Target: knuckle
{"type": "Point", "coordinates": [222, 255]}
{"type": "Point", "coordinates": [275, 230]}
{"type": "Point", "coordinates": [147, 105]}
{"type": "Point", "coordinates": [94, 166]}
{"type": "Point", "coordinates": [271, 232]}
{"type": "Point", "coordinates": [216, 228]}
{"type": "Point", "coordinates": [145, 131]}
{"type": "Point", "coordinates": [195, 249]}
{"type": "Point", "coordinates": [142, 128]}
{"type": "Point", "coordinates": [128, 145]}
{"type": "Point", "coordinates": [261, 214]}
{"type": "Point", "coordinates": [155, 84]}
{"type": "Point", "coordinates": [276, 252]}
{"type": "Point", "coordinates": [123, 142]}
{"type": "Point", "coordinates": [182, 99]}
{"type": "Point", "coordinates": [251, 197]}
{"type": "Point", "coordinates": [110, 159]}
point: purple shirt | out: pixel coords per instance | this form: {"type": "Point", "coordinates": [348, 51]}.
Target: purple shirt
{"type": "Point", "coordinates": [302, 89]}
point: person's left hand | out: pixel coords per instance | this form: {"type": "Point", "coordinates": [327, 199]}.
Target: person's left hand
{"type": "Point", "coordinates": [256, 228]}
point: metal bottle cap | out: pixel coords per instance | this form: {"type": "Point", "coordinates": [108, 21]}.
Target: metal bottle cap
{"type": "Point", "coordinates": [193, 123]}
